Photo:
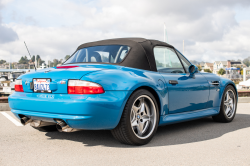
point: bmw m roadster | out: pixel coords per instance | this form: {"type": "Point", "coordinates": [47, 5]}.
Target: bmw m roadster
{"type": "Point", "coordinates": [128, 85]}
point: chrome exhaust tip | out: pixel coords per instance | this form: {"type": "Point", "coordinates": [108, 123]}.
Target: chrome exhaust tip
{"type": "Point", "coordinates": [63, 127]}
{"type": "Point", "coordinates": [25, 120]}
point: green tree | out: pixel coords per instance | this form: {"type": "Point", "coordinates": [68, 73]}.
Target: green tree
{"type": "Point", "coordinates": [33, 58]}
{"type": "Point", "coordinates": [221, 72]}
{"type": "Point", "coordinates": [38, 57]}
{"type": "Point", "coordinates": [67, 57]}
{"type": "Point", "coordinates": [55, 62]}
{"type": "Point", "coordinates": [2, 61]}
{"type": "Point", "coordinates": [24, 60]}
{"type": "Point", "coordinates": [199, 67]}
{"type": "Point", "coordinates": [40, 61]}
{"type": "Point", "coordinates": [207, 70]}
{"type": "Point", "coordinates": [246, 61]}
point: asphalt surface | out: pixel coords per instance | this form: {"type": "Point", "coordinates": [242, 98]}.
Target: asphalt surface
{"type": "Point", "coordinates": [199, 142]}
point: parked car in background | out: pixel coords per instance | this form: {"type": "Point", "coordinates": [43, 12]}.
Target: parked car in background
{"type": "Point", "coordinates": [129, 86]}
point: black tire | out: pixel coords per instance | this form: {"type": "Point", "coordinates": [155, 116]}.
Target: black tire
{"type": "Point", "coordinates": [124, 132]}
{"type": "Point", "coordinates": [222, 117]}
{"type": "Point", "coordinates": [46, 128]}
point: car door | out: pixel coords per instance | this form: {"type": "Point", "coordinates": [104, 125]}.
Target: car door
{"type": "Point", "coordinates": [185, 93]}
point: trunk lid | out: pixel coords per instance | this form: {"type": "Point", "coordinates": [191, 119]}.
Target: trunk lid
{"type": "Point", "coordinates": [59, 77]}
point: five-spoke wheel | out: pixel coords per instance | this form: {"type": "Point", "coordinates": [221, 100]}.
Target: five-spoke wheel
{"type": "Point", "coordinates": [143, 116]}
{"type": "Point", "coordinates": [228, 105]}
{"type": "Point", "coordinates": [139, 120]}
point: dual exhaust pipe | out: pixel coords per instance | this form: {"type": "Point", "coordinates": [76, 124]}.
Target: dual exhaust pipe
{"type": "Point", "coordinates": [61, 125]}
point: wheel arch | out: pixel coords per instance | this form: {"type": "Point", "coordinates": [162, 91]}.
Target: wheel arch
{"type": "Point", "coordinates": [233, 85]}
{"type": "Point", "coordinates": [154, 93]}
{"type": "Point", "coordinates": [225, 86]}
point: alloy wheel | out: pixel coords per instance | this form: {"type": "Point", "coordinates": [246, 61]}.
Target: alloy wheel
{"type": "Point", "coordinates": [143, 117]}
{"type": "Point", "coordinates": [229, 103]}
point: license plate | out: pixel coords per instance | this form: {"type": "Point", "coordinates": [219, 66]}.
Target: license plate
{"type": "Point", "coordinates": [42, 85]}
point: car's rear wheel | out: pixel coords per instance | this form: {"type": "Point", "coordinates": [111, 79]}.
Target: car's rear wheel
{"type": "Point", "coordinates": [228, 106]}
{"type": "Point", "coordinates": [139, 120]}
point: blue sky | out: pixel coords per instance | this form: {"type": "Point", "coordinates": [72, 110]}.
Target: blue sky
{"type": "Point", "coordinates": [242, 13]}
{"type": "Point", "coordinates": [212, 30]}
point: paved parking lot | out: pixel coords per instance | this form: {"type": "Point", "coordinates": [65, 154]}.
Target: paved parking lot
{"type": "Point", "coordinates": [199, 142]}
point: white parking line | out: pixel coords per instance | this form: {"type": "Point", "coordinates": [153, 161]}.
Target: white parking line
{"type": "Point", "coordinates": [12, 119]}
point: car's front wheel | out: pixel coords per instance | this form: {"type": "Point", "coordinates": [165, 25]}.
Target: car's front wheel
{"type": "Point", "coordinates": [139, 120]}
{"type": "Point", "coordinates": [228, 106]}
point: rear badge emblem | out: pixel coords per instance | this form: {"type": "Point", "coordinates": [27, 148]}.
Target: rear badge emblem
{"type": "Point", "coordinates": [62, 82]}
{"type": "Point", "coordinates": [26, 82]}
{"type": "Point", "coordinates": [47, 71]}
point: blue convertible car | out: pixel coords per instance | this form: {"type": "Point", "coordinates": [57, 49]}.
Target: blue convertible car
{"type": "Point", "coordinates": [129, 86]}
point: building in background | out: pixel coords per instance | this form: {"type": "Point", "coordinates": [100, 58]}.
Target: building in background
{"type": "Point", "coordinates": [217, 65]}
{"type": "Point", "coordinates": [247, 73]}
{"type": "Point", "coordinates": [209, 66]}
{"type": "Point", "coordinates": [201, 64]}
{"type": "Point", "coordinates": [236, 64]}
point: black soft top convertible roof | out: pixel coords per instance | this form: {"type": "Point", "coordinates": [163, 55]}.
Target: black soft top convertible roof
{"type": "Point", "coordinates": [140, 55]}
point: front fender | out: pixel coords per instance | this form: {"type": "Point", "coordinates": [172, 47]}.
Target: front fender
{"type": "Point", "coordinates": [224, 83]}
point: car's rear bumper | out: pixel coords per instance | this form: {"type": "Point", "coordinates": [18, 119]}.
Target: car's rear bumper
{"type": "Point", "coordinates": [102, 111]}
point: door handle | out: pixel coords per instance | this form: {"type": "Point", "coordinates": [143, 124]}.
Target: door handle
{"type": "Point", "coordinates": [215, 82]}
{"type": "Point", "coordinates": [173, 82]}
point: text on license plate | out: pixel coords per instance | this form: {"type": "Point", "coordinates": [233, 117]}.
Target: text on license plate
{"type": "Point", "coordinates": [41, 85]}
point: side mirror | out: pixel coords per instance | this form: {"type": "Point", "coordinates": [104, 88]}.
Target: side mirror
{"type": "Point", "coordinates": [192, 69]}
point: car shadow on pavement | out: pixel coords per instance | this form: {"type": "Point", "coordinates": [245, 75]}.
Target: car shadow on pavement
{"type": "Point", "coordinates": [174, 134]}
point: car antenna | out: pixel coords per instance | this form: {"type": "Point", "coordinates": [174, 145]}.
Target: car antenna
{"type": "Point", "coordinates": [30, 55]}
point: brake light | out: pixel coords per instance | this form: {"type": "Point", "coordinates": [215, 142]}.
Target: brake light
{"type": "Point", "coordinates": [18, 86]}
{"type": "Point", "coordinates": [66, 67]}
{"type": "Point", "coordinates": [84, 87]}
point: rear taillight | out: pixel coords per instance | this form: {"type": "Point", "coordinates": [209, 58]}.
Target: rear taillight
{"type": "Point", "coordinates": [66, 67]}
{"type": "Point", "coordinates": [84, 87]}
{"type": "Point", "coordinates": [18, 86]}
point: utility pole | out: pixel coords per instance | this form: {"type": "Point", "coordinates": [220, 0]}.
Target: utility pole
{"type": "Point", "coordinates": [164, 28]}
{"type": "Point", "coordinates": [183, 46]}
{"type": "Point", "coordinates": [164, 32]}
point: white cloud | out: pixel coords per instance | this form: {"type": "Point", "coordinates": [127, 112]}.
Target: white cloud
{"type": "Point", "coordinates": [54, 29]}
{"type": "Point", "coordinates": [6, 33]}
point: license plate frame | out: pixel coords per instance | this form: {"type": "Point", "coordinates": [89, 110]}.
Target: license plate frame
{"type": "Point", "coordinates": [41, 91]}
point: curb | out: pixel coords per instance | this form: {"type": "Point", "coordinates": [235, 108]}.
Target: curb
{"type": "Point", "coordinates": [244, 93]}
{"type": "Point", "coordinates": [243, 99]}
{"type": "Point", "coordinates": [3, 99]}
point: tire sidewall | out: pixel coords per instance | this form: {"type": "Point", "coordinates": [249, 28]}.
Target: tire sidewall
{"type": "Point", "coordinates": [222, 103]}
{"type": "Point", "coordinates": [129, 104]}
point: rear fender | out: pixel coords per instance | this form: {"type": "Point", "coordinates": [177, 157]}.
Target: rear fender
{"type": "Point", "coordinates": [130, 79]}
